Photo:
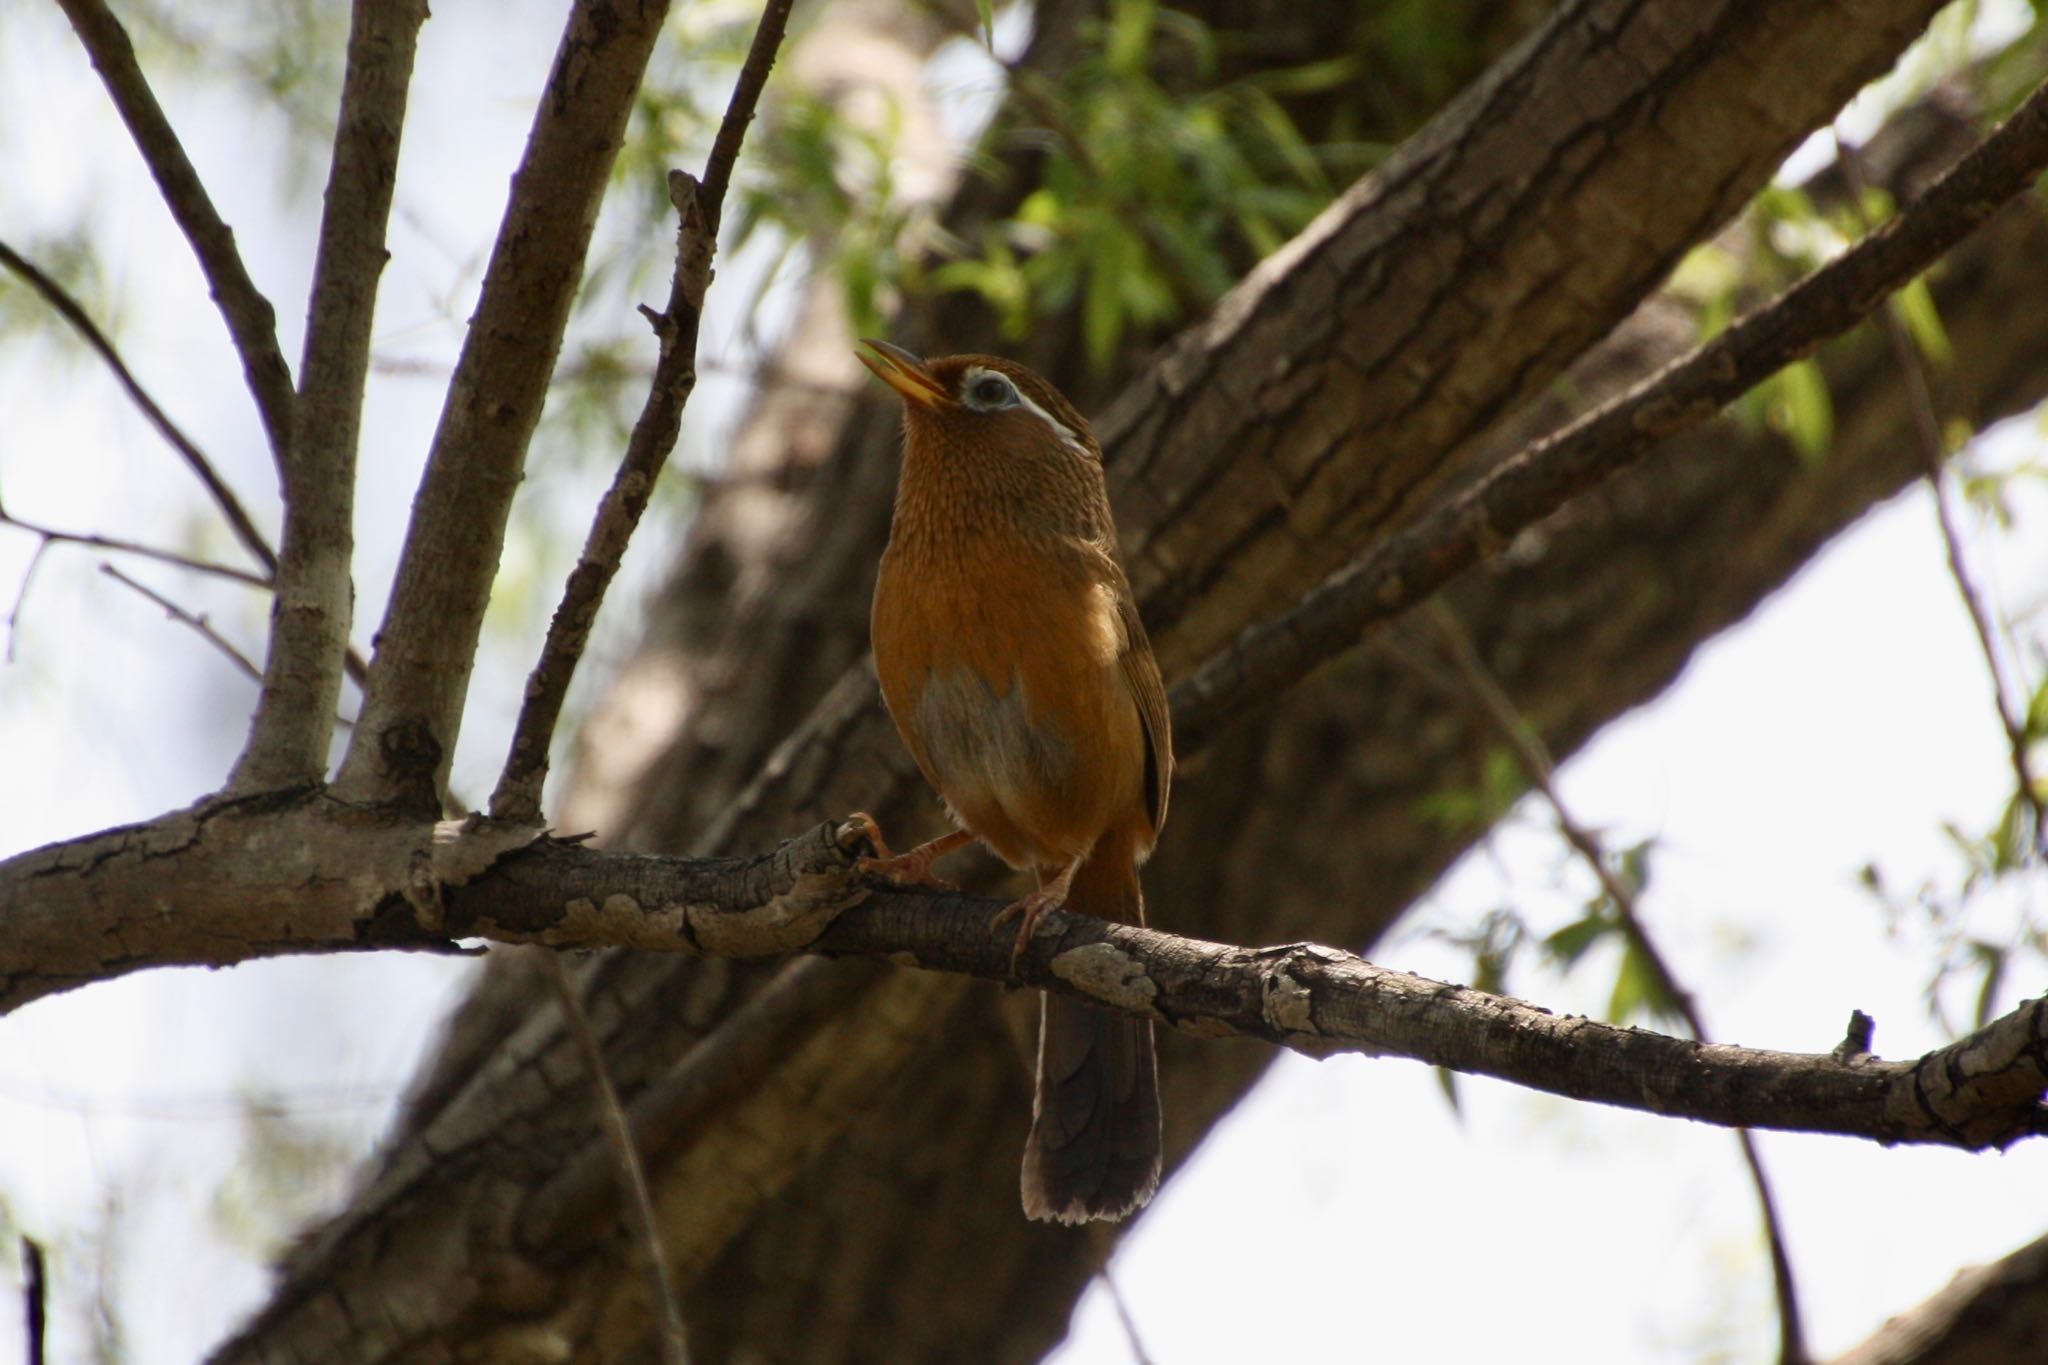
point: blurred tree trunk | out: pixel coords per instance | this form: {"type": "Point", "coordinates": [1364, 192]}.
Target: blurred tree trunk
{"type": "Point", "coordinates": [1987, 1315]}
{"type": "Point", "coordinates": [859, 1201]}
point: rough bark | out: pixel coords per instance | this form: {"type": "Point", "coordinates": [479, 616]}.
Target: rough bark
{"type": "Point", "coordinates": [1988, 1315]}
{"type": "Point", "coordinates": [1596, 613]}
{"type": "Point", "coordinates": [314, 596]}
{"type": "Point", "coordinates": [1581, 621]}
{"type": "Point", "coordinates": [404, 737]}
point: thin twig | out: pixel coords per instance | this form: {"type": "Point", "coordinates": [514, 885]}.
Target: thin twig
{"type": "Point", "coordinates": [1933, 451]}
{"type": "Point", "coordinates": [1410, 565]}
{"type": "Point", "coordinates": [197, 622]}
{"type": "Point", "coordinates": [764, 374]}
{"type": "Point", "coordinates": [72, 312]}
{"type": "Point", "coordinates": [739, 109]}
{"type": "Point", "coordinates": [252, 322]}
{"type": "Point", "coordinates": [51, 535]}
{"type": "Point", "coordinates": [35, 1299]}
{"type": "Point", "coordinates": [28, 576]}
{"type": "Point", "coordinates": [1535, 760]}
{"type": "Point", "coordinates": [678, 1107]}
{"type": "Point", "coordinates": [698, 206]}
{"type": "Point", "coordinates": [1139, 1354]}
{"type": "Point", "coordinates": [632, 1177]}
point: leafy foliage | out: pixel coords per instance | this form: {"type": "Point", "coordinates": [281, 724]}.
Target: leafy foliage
{"type": "Point", "coordinates": [1150, 200]}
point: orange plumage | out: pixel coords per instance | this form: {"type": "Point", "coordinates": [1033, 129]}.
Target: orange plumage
{"type": "Point", "coordinates": [1015, 667]}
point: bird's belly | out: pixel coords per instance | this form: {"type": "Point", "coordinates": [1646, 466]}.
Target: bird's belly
{"type": "Point", "coordinates": [1002, 675]}
{"type": "Point", "coordinates": [1008, 779]}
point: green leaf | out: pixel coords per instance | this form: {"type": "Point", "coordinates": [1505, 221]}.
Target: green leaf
{"type": "Point", "coordinates": [1447, 1081]}
{"type": "Point", "coordinates": [2037, 712]}
{"type": "Point", "coordinates": [1638, 990]}
{"type": "Point", "coordinates": [985, 10]}
{"type": "Point", "coordinates": [1567, 945]}
{"type": "Point", "coordinates": [1130, 36]}
{"type": "Point", "coordinates": [1802, 408]}
{"type": "Point", "coordinates": [1914, 305]}
{"type": "Point", "coordinates": [1991, 960]}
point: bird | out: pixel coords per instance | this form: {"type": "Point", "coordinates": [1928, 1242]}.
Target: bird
{"type": "Point", "coordinates": [1013, 663]}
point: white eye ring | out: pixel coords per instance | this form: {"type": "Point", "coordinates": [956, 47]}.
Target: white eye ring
{"type": "Point", "coordinates": [989, 392]}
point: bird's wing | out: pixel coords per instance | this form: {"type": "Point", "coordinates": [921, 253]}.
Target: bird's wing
{"type": "Point", "coordinates": [1141, 674]}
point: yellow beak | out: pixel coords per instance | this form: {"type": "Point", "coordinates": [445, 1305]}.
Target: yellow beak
{"type": "Point", "coordinates": [903, 372]}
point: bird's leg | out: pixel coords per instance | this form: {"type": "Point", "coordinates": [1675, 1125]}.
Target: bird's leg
{"type": "Point", "coordinates": [913, 868]}
{"type": "Point", "coordinates": [1049, 896]}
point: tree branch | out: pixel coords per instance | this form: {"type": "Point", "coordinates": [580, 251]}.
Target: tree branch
{"type": "Point", "coordinates": [195, 459]}
{"type": "Point", "coordinates": [631, 1178]}
{"type": "Point", "coordinates": [2007, 700]}
{"type": "Point", "coordinates": [699, 205]}
{"type": "Point", "coordinates": [1534, 757]}
{"type": "Point", "coordinates": [197, 622]}
{"type": "Point", "coordinates": [1480, 520]}
{"type": "Point", "coordinates": [260, 877]}
{"type": "Point", "coordinates": [1987, 1314]}
{"type": "Point", "coordinates": [252, 323]}
{"type": "Point", "coordinates": [412, 709]}
{"type": "Point", "coordinates": [51, 535]}
{"type": "Point", "coordinates": [313, 603]}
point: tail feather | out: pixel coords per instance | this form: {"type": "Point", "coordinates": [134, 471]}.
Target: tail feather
{"type": "Point", "coordinates": [1093, 1151]}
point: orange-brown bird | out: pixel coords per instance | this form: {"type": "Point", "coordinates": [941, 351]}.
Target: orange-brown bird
{"type": "Point", "coordinates": [1013, 662]}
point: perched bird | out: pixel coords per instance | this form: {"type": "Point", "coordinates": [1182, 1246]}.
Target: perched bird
{"type": "Point", "coordinates": [1014, 665]}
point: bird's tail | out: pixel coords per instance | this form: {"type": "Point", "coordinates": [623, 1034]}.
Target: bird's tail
{"type": "Point", "coordinates": [1093, 1151]}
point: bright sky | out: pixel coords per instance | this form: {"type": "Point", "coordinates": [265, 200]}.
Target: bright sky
{"type": "Point", "coordinates": [1343, 1202]}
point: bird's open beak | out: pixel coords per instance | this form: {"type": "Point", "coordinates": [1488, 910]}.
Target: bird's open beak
{"type": "Point", "coordinates": [903, 372]}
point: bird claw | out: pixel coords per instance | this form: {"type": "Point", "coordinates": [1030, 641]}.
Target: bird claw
{"type": "Point", "coordinates": [1030, 909]}
{"type": "Point", "coordinates": [907, 869]}
{"type": "Point", "coordinates": [872, 832]}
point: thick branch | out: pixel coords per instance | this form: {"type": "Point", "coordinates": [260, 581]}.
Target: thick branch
{"type": "Point", "coordinates": [1482, 519]}
{"type": "Point", "coordinates": [241, 879]}
{"type": "Point", "coordinates": [314, 601]}
{"type": "Point", "coordinates": [412, 709]}
{"type": "Point", "coordinates": [251, 320]}
{"type": "Point", "coordinates": [1987, 1314]}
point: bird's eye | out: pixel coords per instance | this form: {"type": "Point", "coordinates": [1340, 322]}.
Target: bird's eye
{"type": "Point", "coordinates": [991, 391]}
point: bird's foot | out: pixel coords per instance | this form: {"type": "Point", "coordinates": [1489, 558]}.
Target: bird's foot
{"type": "Point", "coordinates": [913, 868]}
{"type": "Point", "coordinates": [1028, 911]}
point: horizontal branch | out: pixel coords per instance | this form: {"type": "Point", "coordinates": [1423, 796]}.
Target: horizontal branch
{"type": "Point", "coordinates": [235, 880]}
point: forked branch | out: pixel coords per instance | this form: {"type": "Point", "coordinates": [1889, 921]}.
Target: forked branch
{"type": "Point", "coordinates": [261, 877]}
{"type": "Point", "coordinates": [699, 205]}
{"type": "Point", "coordinates": [419, 677]}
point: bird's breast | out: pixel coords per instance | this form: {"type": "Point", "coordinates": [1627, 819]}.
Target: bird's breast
{"type": "Point", "coordinates": [985, 745]}
{"type": "Point", "coordinates": [1001, 669]}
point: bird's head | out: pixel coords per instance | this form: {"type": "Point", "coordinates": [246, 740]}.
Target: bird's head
{"type": "Point", "coordinates": [969, 405]}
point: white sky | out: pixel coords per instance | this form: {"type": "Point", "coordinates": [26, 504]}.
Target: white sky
{"type": "Point", "coordinates": [1343, 1204]}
